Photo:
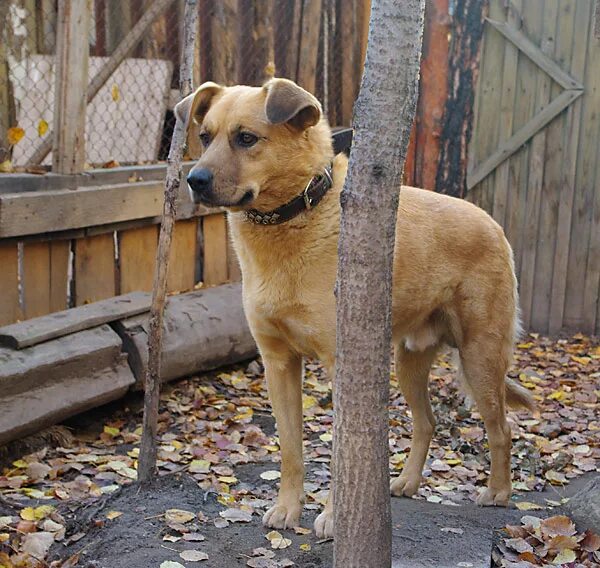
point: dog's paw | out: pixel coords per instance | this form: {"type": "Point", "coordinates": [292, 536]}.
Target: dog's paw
{"type": "Point", "coordinates": [324, 525]}
{"type": "Point", "coordinates": [490, 497]}
{"type": "Point", "coordinates": [405, 486]}
{"type": "Point", "coordinates": [281, 516]}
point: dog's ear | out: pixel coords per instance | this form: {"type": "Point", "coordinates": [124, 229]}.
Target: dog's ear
{"type": "Point", "coordinates": [289, 103]}
{"type": "Point", "coordinates": [195, 106]}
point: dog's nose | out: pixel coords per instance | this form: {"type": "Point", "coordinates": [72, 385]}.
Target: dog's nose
{"type": "Point", "coordinates": [200, 181]}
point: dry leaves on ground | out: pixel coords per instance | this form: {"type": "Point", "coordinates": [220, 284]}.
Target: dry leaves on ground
{"type": "Point", "coordinates": [210, 426]}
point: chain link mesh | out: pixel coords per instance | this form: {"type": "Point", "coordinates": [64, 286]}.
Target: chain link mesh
{"type": "Point", "coordinates": [129, 120]}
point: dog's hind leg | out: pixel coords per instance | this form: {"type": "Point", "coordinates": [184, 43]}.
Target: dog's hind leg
{"type": "Point", "coordinates": [412, 370]}
{"type": "Point", "coordinates": [283, 371]}
{"type": "Point", "coordinates": [485, 361]}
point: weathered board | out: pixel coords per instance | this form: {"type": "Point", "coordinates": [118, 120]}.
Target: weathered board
{"type": "Point", "coordinates": [94, 272]}
{"type": "Point", "coordinates": [214, 230]}
{"type": "Point", "coordinates": [534, 154]}
{"type": "Point", "coordinates": [9, 283]}
{"type": "Point", "coordinates": [38, 330]}
{"type": "Point", "coordinates": [137, 258]}
{"type": "Point", "coordinates": [46, 383]}
{"type": "Point", "coordinates": [182, 265]}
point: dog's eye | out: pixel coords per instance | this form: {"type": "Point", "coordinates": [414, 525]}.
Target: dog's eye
{"type": "Point", "coordinates": [246, 139]}
{"type": "Point", "coordinates": [205, 139]}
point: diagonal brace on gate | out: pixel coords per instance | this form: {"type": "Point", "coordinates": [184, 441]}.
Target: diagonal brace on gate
{"type": "Point", "coordinates": [572, 90]}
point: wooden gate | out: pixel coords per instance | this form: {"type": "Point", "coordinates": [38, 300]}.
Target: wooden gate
{"type": "Point", "coordinates": [535, 153]}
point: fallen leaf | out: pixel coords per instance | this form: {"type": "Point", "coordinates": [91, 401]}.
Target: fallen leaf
{"type": "Point", "coordinates": [236, 515]}
{"type": "Point", "coordinates": [114, 93]}
{"type": "Point", "coordinates": [113, 515]}
{"type": "Point", "coordinates": [193, 555]}
{"type": "Point", "coordinates": [37, 544]}
{"type": "Point", "coordinates": [171, 538]}
{"type": "Point", "coordinates": [14, 135]}
{"type": "Point", "coordinates": [42, 127]}
{"type": "Point", "coordinates": [270, 475]}
{"type": "Point", "coordinates": [527, 506]}
{"type": "Point", "coordinates": [170, 564]}
{"type": "Point", "coordinates": [277, 540]}
{"type": "Point", "coordinates": [179, 516]}
{"type": "Point", "coordinates": [558, 525]}
{"type": "Point", "coordinates": [564, 557]}
{"type": "Point", "coordinates": [194, 537]}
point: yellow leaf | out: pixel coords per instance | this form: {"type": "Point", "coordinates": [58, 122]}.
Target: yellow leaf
{"type": "Point", "coordinates": [453, 461]}
{"type": "Point", "coordinates": [114, 93]}
{"type": "Point", "coordinates": [525, 345]}
{"type": "Point", "coordinates": [42, 512]}
{"type": "Point", "coordinates": [305, 547]}
{"type": "Point", "coordinates": [14, 135]}
{"type": "Point", "coordinates": [4, 537]}
{"type": "Point", "coordinates": [564, 557]}
{"type": "Point", "coordinates": [28, 514]}
{"type": "Point", "coordinates": [228, 479]}
{"type": "Point", "coordinates": [326, 437]}
{"type": "Point", "coordinates": [42, 127]}
{"type": "Point", "coordinates": [111, 431]}
{"type": "Point", "coordinates": [308, 402]}
{"type": "Point", "coordinates": [113, 515]}
{"type": "Point", "coordinates": [179, 516]}
{"type": "Point", "coordinates": [526, 506]}
{"type": "Point", "coordinates": [21, 464]}
{"type": "Point", "coordinates": [6, 167]}
{"type": "Point", "coordinates": [557, 395]}
{"type": "Point", "coordinates": [199, 466]}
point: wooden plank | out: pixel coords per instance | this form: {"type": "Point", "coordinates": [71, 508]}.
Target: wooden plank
{"type": "Point", "coordinates": [257, 58]}
{"type": "Point", "coordinates": [214, 230]}
{"type": "Point", "coordinates": [59, 274]}
{"type": "Point", "coordinates": [536, 162]}
{"type": "Point", "coordinates": [224, 39]}
{"type": "Point", "coordinates": [27, 333]}
{"type": "Point", "coordinates": [309, 44]}
{"type": "Point", "coordinates": [72, 56]}
{"type": "Point", "coordinates": [506, 110]}
{"type": "Point", "coordinates": [94, 271]}
{"type": "Point", "coordinates": [535, 54]}
{"type": "Point", "coordinates": [137, 258]}
{"type": "Point", "coordinates": [553, 181]}
{"type": "Point", "coordinates": [580, 29]}
{"type": "Point", "coordinates": [9, 283]}
{"type": "Point", "coordinates": [581, 309]}
{"type": "Point", "coordinates": [29, 213]}
{"type": "Point", "coordinates": [182, 264]}
{"type": "Point", "coordinates": [36, 279]}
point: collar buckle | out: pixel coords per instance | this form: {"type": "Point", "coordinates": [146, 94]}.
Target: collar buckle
{"type": "Point", "coordinates": [306, 196]}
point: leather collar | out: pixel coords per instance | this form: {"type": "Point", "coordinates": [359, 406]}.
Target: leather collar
{"type": "Point", "coordinates": [314, 191]}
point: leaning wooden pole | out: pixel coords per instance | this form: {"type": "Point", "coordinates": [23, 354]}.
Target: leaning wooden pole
{"type": "Point", "coordinates": [383, 117]}
{"type": "Point", "coordinates": [147, 461]}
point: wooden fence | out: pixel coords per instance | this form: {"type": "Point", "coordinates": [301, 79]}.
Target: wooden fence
{"type": "Point", "coordinates": [534, 156]}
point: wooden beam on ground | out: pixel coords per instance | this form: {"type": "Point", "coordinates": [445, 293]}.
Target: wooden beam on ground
{"type": "Point", "coordinates": [71, 77]}
{"type": "Point", "coordinates": [124, 49]}
{"type": "Point", "coordinates": [27, 333]}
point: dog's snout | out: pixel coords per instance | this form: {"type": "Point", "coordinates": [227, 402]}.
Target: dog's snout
{"type": "Point", "coordinates": [200, 180]}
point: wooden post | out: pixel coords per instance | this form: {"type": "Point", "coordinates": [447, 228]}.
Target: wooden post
{"type": "Point", "coordinates": [72, 56]}
{"type": "Point", "coordinates": [369, 203]}
{"type": "Point", "coordinates": [147, 462]}
{"type": "Point", "coordinates": [309, 45]}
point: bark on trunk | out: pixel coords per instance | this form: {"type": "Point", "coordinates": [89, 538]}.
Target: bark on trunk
{"type": "Point", "coordinates": [147, 461]}
{"type": "Point", "coordinates": [383, 116]}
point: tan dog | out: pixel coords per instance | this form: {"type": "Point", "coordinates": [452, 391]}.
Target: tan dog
{"type": "Point", "coordinates": [454, 279]}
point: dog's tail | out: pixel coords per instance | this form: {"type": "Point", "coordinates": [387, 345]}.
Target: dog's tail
{"type": "Point", "coordinates": [518, 396]}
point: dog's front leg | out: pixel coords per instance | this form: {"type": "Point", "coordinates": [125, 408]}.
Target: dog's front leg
{"type": "Point", "coordinates": [283, 371]}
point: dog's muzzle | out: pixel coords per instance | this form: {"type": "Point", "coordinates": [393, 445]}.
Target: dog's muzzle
{"type": "Point", "coordinates": [200, 182]}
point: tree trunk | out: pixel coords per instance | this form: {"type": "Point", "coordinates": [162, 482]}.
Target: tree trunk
{"type": "Point", "coordinates": [383, 117]}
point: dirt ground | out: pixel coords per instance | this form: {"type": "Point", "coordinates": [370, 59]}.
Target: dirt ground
{"type": "Point", "coordinates": [425, 535]}
{"type": "Point", "coordinates": [74, 502]}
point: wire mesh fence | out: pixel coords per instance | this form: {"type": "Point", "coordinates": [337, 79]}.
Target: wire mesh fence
{"type": "Point", "coordinates": [129, 119]}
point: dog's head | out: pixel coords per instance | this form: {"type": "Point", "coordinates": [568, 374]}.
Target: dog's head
{"type": "Point", "coordinates": [259, 145]}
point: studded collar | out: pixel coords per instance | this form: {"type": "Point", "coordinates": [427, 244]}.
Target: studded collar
{"type": "Point", "coordinates": [314, 191]}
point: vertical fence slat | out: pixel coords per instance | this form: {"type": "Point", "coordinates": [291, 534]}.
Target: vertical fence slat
{"type": "Point", "coordinates": [94, 269]}
{"type": "Point", "coordinates": [9, 283]}
{"type": "Point", "coordinates": [309, 44]}
{"type": "Point", "coordinates": [182, 266]}
{"type": "Point", "coordinates": [224, 39]}
{"type": "Point", "coordinates": [72, 56]}
{"type": "Point", "coordinates": [59, 274]}
{"type": "Point", "coordinates": [214, 230]}
{"type": "Point", "coordinates": [581, 24]}
{"type": "Point", "coordinates": [558, 48]}
{"type": "Point", "coordinates": [36, 279]}
{"type": "Point", "coordinates": [137, 258]}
